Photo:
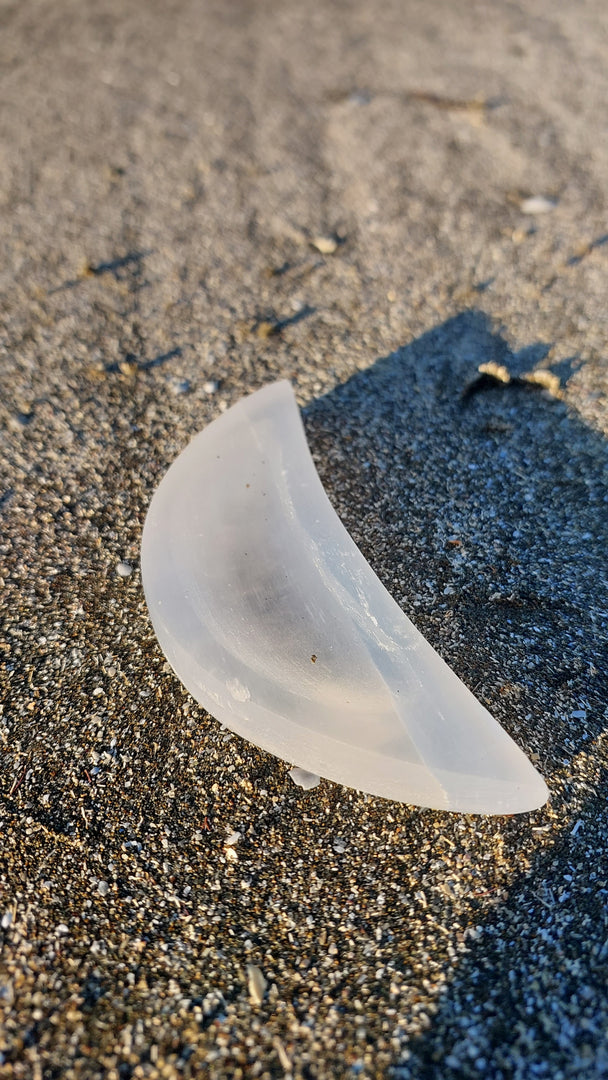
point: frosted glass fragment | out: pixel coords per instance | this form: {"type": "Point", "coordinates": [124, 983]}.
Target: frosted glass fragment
{"type": "Point", "coordinates": [274, 621]}
{"type": "Point", "coordinates": [304, 779]}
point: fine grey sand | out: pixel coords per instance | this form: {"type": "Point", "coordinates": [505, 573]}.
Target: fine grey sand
{"type": "Point", "coordinates": [374, 201]}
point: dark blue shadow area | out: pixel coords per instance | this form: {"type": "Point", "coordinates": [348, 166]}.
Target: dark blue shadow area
{"type": "Point", "coordinates": [487, 518]}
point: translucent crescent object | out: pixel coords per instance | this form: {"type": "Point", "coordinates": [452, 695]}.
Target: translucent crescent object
{"type": "Point", "coordinates": [274, 621]}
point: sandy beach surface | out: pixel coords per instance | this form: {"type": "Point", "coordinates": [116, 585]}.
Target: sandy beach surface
{"type": "Point", "coordinates": [375, 201]}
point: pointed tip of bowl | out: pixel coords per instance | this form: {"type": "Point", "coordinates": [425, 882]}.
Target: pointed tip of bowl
{"type": "Point", "coordinates": [477, 795]}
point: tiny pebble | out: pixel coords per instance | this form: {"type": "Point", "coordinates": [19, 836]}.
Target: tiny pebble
{"type": "Point", "coordinates": [339, 845]}
{"type": "Point", "coordinates": [103, 888]}
{"type": "Point", "coordinates": [124, 569]}
{"type": "Point", "coordinates": [178, 385]}
{"type": "Point", "coordinates": [304, 779]}
{"type": "Point", "coordinates": [210, 387]}
{"type": "Point", "coordinates": [327, 245]}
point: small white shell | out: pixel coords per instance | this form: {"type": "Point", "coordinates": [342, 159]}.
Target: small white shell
{"type": "Point", "coordinates": [537, 204]}
{"type": "Point", "coordinates": [256, 984]}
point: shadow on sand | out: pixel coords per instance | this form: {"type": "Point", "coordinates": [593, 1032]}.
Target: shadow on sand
{"type": "Point", "coordinates": [486, 516]}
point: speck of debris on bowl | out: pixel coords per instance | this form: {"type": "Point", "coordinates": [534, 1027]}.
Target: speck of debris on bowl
{"type": "Point", "coordinates": [304, 779]}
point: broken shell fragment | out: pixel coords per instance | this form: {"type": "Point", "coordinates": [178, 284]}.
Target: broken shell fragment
{"type": "Point", "coordinates": [256, 984]}
{"type": "Point", "coordinates": [274, 621]}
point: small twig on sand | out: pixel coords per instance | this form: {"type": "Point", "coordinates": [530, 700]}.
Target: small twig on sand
{"type": "Point", "coordinates": [18, 782]}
